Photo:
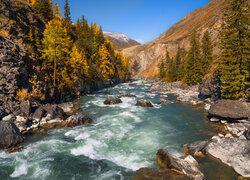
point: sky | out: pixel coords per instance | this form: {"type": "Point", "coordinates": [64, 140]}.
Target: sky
{"type": "Point", "coordinates": [141, 20]}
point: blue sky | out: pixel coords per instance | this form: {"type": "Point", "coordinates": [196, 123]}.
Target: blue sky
{"type": "Point", "coordinates": [142, 20]}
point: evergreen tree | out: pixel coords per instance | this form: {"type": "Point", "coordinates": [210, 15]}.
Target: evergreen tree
{"type": "Point", "coordinates": [107, 69]}
{"type": "Point", "coordinates": [162, 70]}
{"type": "Point", "coordinates": [194, 71]}
{"type": "Point", "coordinates": [207, 52]}
{"type": "Point", "coordinates": [43, 8]}
{"type": "Point", "coordinates": [178, 63]}
{"type": "Point", "coordinates": [67, 12]}
{"type": "Point", "coordinates": [235, 65]}
{"type": "Point", "coordinates": [171, 76]}
{"type": "Point", "coordinates": [56, 52]}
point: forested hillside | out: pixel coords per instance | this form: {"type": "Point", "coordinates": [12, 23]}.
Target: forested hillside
{"type": "Point", "coordinates": [64, 57]}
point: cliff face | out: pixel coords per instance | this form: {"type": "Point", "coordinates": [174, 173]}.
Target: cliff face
{"type": "Point", "coordinates": [145, 58]}
{"type": "Point", "coordinates": [16, 19]}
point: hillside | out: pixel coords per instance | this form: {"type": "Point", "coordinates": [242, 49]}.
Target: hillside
{"type": "Point", "coordinates": [145, 58]}
{"type": "Point", "coordinates": [119, 40]}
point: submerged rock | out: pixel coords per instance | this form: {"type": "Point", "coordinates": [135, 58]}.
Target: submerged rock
{"type": "Point", "coordinates": [144, 103]}
{"type": "Point", "coordinates": [112, 100]}
{"type": "Point", "coordinates": [127, 95]}
{"type": "Point", "coordinates": [230, 110]}
{"type": "Point", "coordinates": [185, 166]}
{"type": "Point", "coordinates": [10, 135]}
{"type": "Point", "coordinates": [77, 120]}
{"type": "Point", "coordinates": [234, 152]}
{"type": "Point", "coordinates": [164, 101]}
{"type": "Point", "coordinates": [158, 174]}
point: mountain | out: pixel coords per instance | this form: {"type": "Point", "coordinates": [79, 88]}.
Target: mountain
{"type": "Point", "coordinates": [119, 40]}
{"type": "Point", "coordinates": [145, 58]}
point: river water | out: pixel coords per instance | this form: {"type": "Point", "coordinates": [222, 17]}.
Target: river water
{"type": "Point", "coordinates": [121, 139]}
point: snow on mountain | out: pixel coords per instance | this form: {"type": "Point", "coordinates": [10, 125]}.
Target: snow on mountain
{"type": "Point", "coordinates": [119, 40]}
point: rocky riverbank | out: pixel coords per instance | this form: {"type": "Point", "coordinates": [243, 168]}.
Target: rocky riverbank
{"type": "Point", "coordinates": [231, 147]}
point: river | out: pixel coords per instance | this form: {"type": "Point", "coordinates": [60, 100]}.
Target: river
{"type": "Point", "coordinates": [121, 139]}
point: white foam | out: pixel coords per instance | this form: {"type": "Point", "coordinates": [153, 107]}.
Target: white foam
{"type": "Point", "coordinates": [20, 170]}
{"type": "Point", "coordinates": [84, 135]}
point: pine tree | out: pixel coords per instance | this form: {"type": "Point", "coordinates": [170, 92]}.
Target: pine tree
{"type": "Point", "coordinates": [162, 70]}
{"type": "Point", "coordinates": [55, 53]}
{"type": "Point", "coordinates": [67, 12]}
{"type": "Point", "coordinates": [178, 63]}
{"type": "Point", "coordinates": [171, 76]}
{"type": "Point", "coordinates": [235, 65]}
{"type": "Point", "coordinates": [194, 71]}
{"type": "Point", "coordinates": [207, 52]}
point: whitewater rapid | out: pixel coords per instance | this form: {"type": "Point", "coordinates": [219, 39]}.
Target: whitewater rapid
{"type": "Point", "coordinates": [122, 139]}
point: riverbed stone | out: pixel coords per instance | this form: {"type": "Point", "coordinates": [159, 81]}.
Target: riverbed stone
{"type": "Point", "coordinates": [144, 103]}
{"type": "Point", "coordinates": [127, 95]}
{"type": "Point", "coordinates": [234, 152]}
{"type": "Point", "coordinates": [10, 135]}
{"type": "Point", "coordinates": [230, 110]}
{"type": "Point", "coordinates": [181, 165]}
{"type": "Point", "coordinates": [112, 100]}
{"type": "Point", "coordinates": [165, 101]}
{"type": "Point", "coordinates": [195, 148]}
{"type": "Point", "coordinates": [9, 118]}
{"type": "Point", "coordinates": [77, 120]}
{"type": "Point", "coordinates": [158, 174]}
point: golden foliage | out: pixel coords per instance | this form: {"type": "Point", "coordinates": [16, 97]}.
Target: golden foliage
{"type": "Point", "coordinates": [4, 33]}
{"type": "Point", "coordinates": [23, 95]}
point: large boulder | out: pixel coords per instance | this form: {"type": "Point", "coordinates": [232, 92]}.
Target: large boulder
{"type": "Point", "coordinates": [234, 152]}
{"type": "Point", "coordinates": [144, 103]}
{"type": "Point", "coordinates": [10, 135]}
{"type": "Point", "coordinates": [54, 111]}
{"type": "Point", "coordinates": [186, 166]}
{"type": "Point", "coordinates": [209, 88]}
{"type": "Point", "coordinates": [112, 100]}
{"type": "Point", "coordinates": [230, 110]}
{"type": "Point", "coordinates": [77, 120]}
{"type": "Point", "coordinates": [196, 148]}
{"type": "Point", "coordinates": [26, 108]}
{"type": "Point", "coordinates": [157, 174]}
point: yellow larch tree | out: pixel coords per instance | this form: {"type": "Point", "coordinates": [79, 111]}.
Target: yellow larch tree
{"type": "Point", "coordinates": [106, 67]}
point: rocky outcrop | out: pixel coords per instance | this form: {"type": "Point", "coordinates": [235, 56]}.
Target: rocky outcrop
{"type": "Point", "coordinates": [186, 165]}
{"type": "Point", "coordinates": [144, 103]}
{"type": "Point", "coordinates": [230, 110]}
{"type": "Point", "coordinates": [158, 174]}
{"type": "Point", "coordinates": [112, 100]}
{"type": "Point", "coordinates": [234, 152]}
{"type": "Point", "coordinates": [10, 135]}
{"type": "Point", "coordinates": [209, 88]}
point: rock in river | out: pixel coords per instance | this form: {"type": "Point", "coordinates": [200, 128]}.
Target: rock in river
{"type": "Point", "coordinates": [112, 100]}
{"type": "Point", "coordinates": [157, 174]}
{"type": "Point", "coordinates": [77, 120]}
{"type": "Point", "coordinates": [185, 165]}
{"type": "Point", "coordinates": [144, 103]}
{"type": "Point", "coordinates": [230, 109]}
{"type": "Point", "coordinates": [10, 135]}
{"type": "Point", "coordinates": [234, 152]}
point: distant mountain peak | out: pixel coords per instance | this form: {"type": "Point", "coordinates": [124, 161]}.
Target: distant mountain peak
{"type": "Point", "coordinates": [120, 40]}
